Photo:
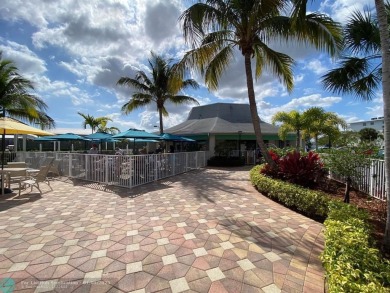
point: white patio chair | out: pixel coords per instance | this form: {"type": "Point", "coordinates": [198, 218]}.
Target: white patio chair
{"type": "Point", "coordinates": [40, 177]}
{"type": "Point", "coordinates": [16, 177]}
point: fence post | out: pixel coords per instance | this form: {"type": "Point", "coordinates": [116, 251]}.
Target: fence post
{"type": "Point", "coordinates": [106, 170]}
{"type": "Point", "coordinates": [70, 165]}
{"type": "Point", "coordinates": [173, 164]}
{"type": "Point", "coordinates": [372, 179]}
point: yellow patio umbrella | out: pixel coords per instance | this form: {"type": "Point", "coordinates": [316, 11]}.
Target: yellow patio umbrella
{"type": "Point", "coordinates": [12, 126]}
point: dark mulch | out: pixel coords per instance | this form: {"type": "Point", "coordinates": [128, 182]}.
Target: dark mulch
{"type": "Point", "coordinates": [375, 207]}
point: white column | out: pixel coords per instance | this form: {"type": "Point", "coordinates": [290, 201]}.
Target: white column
{"type": "Point", "coordinates": [211, 143]}
{"type": "Point", "coordinates": [16, 142]}
{"type": "Point", "coordinates": [24, 142]}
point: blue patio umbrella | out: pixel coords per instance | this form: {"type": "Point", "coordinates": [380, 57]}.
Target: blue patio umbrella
{"type": "Point", "coordinates": [172, 137]}
{"type": "Point", "coordinates": [67, 137]}
{"type": "Point", "coordinates": [102, 136]}
{"type": "Point", "coordinates": [136, 134]}
{"type": "Point", "coordinates": [44, 139]}
{"type": "Point", "coordinates": [40, 139]}
{"type": "Point", "coordinates": [175, 138]}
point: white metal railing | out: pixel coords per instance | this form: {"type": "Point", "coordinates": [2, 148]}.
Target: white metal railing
{"type": "Point", "coordinates": [125, 171]}
{"type": "Point", "coordinates": [372, 179]}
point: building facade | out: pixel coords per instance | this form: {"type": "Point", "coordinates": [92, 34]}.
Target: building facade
{"type": "Point", "coordinates": [219, 124]}
{"type": "Point", "coordinates": [377, 123]}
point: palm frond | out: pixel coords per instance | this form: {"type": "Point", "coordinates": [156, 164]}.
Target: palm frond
{"type": "Point", "coordinates": [362, 33]}
{"type": "Point", "coordinates": [217, 66]}
{"type": "Point", "coordinates": [278, 63]}
{"type": "Point", "coordinates": [199, 18]}
{"type": "Point", "coordinates": [133, 83]}
{"type": "Point", "coordinates": [137, 101]}
{"type": "Point", "coordinates": [322, 32]}
{"type": "Point", "coordinates": [354, 76]}
{"type": "Point", "coordinates": [181, 99]}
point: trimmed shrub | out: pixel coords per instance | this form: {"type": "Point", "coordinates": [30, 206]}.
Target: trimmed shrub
{"type": "Point", "coordinates": [350, 261]}
{"type": "Point", "coordinates": [309, 202]}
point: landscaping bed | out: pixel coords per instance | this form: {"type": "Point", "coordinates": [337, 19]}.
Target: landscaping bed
{"type": "Point", "coordinates": [376, 208]}
{"type": "Point", "coordinates": [350, 258]}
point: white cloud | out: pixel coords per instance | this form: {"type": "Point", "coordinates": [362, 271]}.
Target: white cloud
{"type": "Point", "coordinates": [341, 10]}
{"type": "Point", "coordinates": [26, 60]}
{"type": "Point", "coordinates": [266, 111]}
{"type": "Point", "coordinates": [316, 66]}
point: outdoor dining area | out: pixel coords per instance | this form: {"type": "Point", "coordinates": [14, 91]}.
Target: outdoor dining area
{"type": "Point", "coordinates": [125, 168]}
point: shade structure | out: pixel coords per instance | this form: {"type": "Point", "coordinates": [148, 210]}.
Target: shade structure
{"type": "Point", "coordinates": [102, 136]}
{"type": "Point", "coordinates": [136, 133]}
{"type": "Point", "coordinates": [67, 136]}
{"type": "Point", "coordinates": [147, 140]}
{"type": "Point", "coordinates": [12, 126]}
{"type": "Point", "coordinates": [172, 137]}
{"type": "Point", "coordinates": [44, 139]}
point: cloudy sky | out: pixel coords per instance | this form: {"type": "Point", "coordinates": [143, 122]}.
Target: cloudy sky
{"type": "Point", "coordinates": [75, 51]}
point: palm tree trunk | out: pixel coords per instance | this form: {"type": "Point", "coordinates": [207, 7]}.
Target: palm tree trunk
{"type": "Point", "coordinates": [253, 108]}
{"type": "Point", "coordinates": [298, 143]}
{"type": "Point", "coordinates": [161, 121]}
{"type": "Point", "coordinates": [385, 46]}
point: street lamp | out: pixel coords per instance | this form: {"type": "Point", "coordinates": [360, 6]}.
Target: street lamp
{"type": "Point", "coordinates": [239, 143]}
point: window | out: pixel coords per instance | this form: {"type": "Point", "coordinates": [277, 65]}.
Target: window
{"type": "Point", "coordinates": [372, 123]}
{"type": "Point", "coordinates": [364, 123]}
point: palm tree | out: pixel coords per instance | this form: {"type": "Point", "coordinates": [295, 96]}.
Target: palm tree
{"type": "Point", "coordinates": [291, 121]}
{"type": "Point", "coordinates": [15, 99]}
{"type": "Point", "coordinates": [385, 46]}
{"type": "Point", "coordinates": [111, 130]}
{"type": "Point", "coordinates": [318, 122]}
{"type": "Point", "coordinates": [360, 69]}
{"type": "Point", "coordinates": [93, 122]}
{"type": "Point", "coordinates": [215, 27]}
{"type": "Point", "coordinates": [164, 85]}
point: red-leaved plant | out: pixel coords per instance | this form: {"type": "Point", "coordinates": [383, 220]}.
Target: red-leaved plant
{"type": "Point", "coordinates": [299, 169]}
{"type": "Point", "coordinates": [268, 170]}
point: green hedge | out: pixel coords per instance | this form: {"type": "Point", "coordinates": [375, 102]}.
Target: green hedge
{"type": "Point", "coordinates": [306, 201]}
{"type": "Point", "coordinates": [350, 261]}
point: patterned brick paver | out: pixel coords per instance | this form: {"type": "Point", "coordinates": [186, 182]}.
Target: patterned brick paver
{"type": "Point", "coordinates": [203, 231]}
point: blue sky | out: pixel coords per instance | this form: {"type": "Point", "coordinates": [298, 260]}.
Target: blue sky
{"type": "Point", "coordinates": [75, 51]}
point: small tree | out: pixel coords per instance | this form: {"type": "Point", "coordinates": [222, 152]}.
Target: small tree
{"type": "Point", "coordinates": [368, 134]}
{"type": "Point", "coordinates": [348, 163]}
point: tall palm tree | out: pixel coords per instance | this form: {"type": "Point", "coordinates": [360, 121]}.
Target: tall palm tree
{"type": "Point", "coordinates": [111, 130]}
{"type": "Point", "coordinates": [291, 121]}
{"type": "Point", "coordinates": [164, 85]}
{"type": "Point", "coordinates": [93, 122]}
{"type": "Point", "coordinates": [15, 97]}
{"type": "Point", "coordinates": [215, 27]}
{"type": "Point", "coordinates": [385, 46]}
{"type": "Point", "coordinates": [318, 122]}
{"type": "Point", "coordinates": [360, 69]}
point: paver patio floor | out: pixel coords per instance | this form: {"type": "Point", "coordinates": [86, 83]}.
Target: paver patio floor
{"type": "Point", "coordinates": [207, 230]}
